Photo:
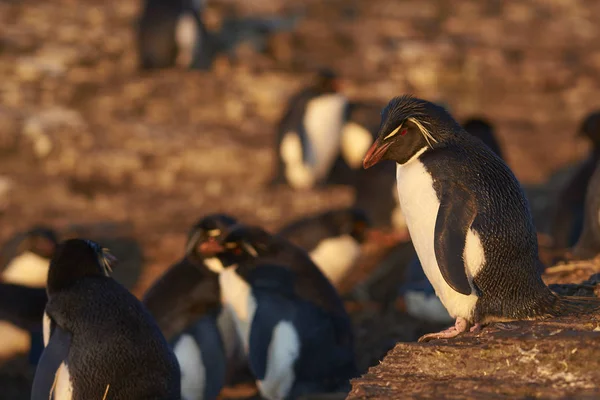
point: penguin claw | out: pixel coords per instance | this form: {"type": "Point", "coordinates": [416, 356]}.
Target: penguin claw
{"type": "Point", "coordinates": [461, 325]}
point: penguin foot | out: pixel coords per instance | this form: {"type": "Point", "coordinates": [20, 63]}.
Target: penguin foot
{"type": "Point", "coordinates": [475, 328]}
{"type": "Point", "coordinates": [461, 325]}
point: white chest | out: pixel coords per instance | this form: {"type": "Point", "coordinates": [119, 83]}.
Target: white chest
{"type": "Point", "coordinates": [335, 256]}
{"type": "Point", "coordinates": [27, 269]}
{"type": "Point", "coordinates": [420, 206]}
{"type": "Point", "coordinates": [237, 296]}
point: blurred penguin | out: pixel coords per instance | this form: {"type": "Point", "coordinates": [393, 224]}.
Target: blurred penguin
{"type": "Point", "coordinates": [308, 134]}
{"type": "Point", "coordinates": [567, 222]}
{"type": "Point", "coordinates": [291, 320]}
{"type": "Point", "coordinates": [172, 32]}
{"type": "Point", "coordinates": [186, 303]}
{"type": "Point", "coordinates": [101, 342]}
{"type": "Point", "coordinates": [588, 245]}
{"type": "Point", "coordinates": [483, 129]}
{"type": "Point", "coordinates": [24, 271]}
{"type": "Point", "coordinates": [333, 239]}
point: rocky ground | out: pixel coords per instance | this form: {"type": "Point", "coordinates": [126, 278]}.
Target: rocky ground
{"type": "Point", "coordinates": [85, 138]}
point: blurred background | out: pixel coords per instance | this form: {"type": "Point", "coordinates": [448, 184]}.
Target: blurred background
{"type": "Point", "coordinates": [90, 142]}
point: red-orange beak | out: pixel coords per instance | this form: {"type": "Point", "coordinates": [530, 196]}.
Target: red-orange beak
{"type": "Point", "coordinates": [210, 247]}
{"type": "Point", "coordinates": [375, 153]}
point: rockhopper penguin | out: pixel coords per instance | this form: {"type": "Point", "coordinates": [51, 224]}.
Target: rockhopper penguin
{"type": "Point", "coordinates": [186, 303]}
{"type": "Point", "coordinates": [294, 327]}
{"type": "Point", "coordinates": [309, 133]}
{"type": "Point", "coordinates": [171, 32]}
{"type": "Point", "coordinates": [101, 342]}
{"type": "Point", "coordinates": [567, 221]}
{"type": "Point", "coordinates": [333, 239]}
{"type": "Point", "coordinates": [468, 218]}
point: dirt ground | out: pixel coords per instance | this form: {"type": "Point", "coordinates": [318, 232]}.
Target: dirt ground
{"type": "Point", "coordinates": [87, 139]}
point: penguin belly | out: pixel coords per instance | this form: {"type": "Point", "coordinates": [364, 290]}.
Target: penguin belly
{"type": "Point", "coordinates": [191, 365]}
{"type": "Point", "coordinates": [323, 122]}
{"type": "Point", "coordinates": [335, 256]}
{"type": "Point", "coordinates": [27, 269]}
{"type": "Point", "coordinates": [64, 388]}
{"type": "Point", "coordinates": [298, 174]}
{"type": "Point", "coordinates": [283, 351]}
{"type": "Point", "coordinates": [14, 340]}
{"type": "Point", "coordinates": [187, 37]}
{"type": "Point", "coordinates": [236, 295]}
{"type": "Point", "coordinates": [420, 205]}
{"type": "Point", "coordinates": [355, 143]}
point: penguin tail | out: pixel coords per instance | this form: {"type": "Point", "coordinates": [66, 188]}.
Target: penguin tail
{"type": "Point", "coordinates": [576, 305]}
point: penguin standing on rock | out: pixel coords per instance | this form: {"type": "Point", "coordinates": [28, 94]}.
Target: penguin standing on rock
{"type": "Point", "coordinates": [186, 303]}
{"type": "Point", "coordinates": [333, 239]}
{"type": "Point", "coordinates": [308, 135]}
{"type": "Point", "coordinates": [170, 32]}
{"type": "Point", "coordinates": [100, 340]}
{"type": "Point", "coordinates": [293, 324]}
{"type": "Point", "coordinates": [468, 218]}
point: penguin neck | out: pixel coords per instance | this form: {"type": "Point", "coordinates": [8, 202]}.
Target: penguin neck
{"type": "Point", "coordinates": [414, 157]}
{"type": "Point", "coordinates": [62, 276]}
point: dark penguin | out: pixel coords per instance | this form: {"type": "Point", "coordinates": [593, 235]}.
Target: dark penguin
{"type": "Point", "coordinates": [186, 303]}
{"type": "Point", "coordinates": [482, 129]}
{"type": "Point", "coordinates": [567, 221]}
{"type": "Point", "coordinates": [24, 265]}
{"type": "Point", "coordinates": [168, 30]}
{"type": "Point", "coordinates": [293, 324]}
{"type": "Point", "coordinates": [588, 245]}
{"type": "Point", "coordinates": [333, 239]}
{"type": "Point", "coordinates": [308, 134]}
{"type": "Point", "coordinates": [458, 199]}
{"type": "Point", "coordinates": [101, 342]}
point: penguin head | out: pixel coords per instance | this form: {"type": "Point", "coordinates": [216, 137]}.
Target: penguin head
{"type": "Point", "coordinates": [408, 127]}
{"type": "Point", "coordinates": [327, 81]}
{"type": "Point", "coordinates": [482, 129]}
{"type": "Point", "coordinates": [39, 240]}
{"type": "Point", "coordinates": [242, 244]}
{"type": "Point", "coordinates": [590, 128]}
{"type": "Point", "coordinates": [75, 259]}
{"type": "Point", "coordinates": [348, 221]}
{"type": "Point", "coordinates": [203, 238]}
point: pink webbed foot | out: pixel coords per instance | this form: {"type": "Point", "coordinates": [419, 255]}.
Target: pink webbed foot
{"type": "Point", "coordinates": [461, 325]}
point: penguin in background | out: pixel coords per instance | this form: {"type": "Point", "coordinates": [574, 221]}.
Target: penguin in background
{"type": "Point", "coordinates": [24, 270]}
{"type": "Point", "coordinates": [293, 324]}
{"type": "Point", "coordinates": [186, 304]}
{"type": "Point", "coordinates": [308, 134]}
{"type": "Point", "coordinates": [358, 133]}
{"type": "Point", "coordinates": [568, 215]}
{"type": "Point", "coordinates": [588, 245]}
{"type": "Point", "coordinates": [483, 129]}
{"type": "Point", "coordinates": [333, 239]}
{"type": "Point", "coordinates": [172, 32]}
{"type": "Point", "coordinates": [458, 198]}
{"type": "Point", "coordinates": [101, 342]}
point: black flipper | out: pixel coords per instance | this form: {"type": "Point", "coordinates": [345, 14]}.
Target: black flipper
{"type": "Point", "coordinates": [455, 216]}
{"type": "Point", "coordinates": [54, 354]}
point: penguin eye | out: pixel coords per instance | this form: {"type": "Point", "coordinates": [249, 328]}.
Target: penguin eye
{"type": "Point", "coordinates": [237, 251]}
{"type": "Point", "coordinates": [396, 131]}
